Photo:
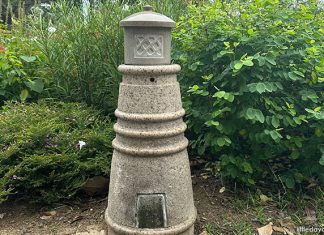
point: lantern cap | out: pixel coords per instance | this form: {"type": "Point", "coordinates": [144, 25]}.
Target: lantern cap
{"type": "Point", "coordinates": [147, 18]}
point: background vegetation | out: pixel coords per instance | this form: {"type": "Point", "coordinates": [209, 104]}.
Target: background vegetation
{"type": "Point", "coordinates": [21, 73]}
{"type": "Point", "coordinates": [255, 72]}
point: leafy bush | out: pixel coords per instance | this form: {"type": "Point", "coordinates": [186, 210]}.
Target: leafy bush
{"type": "Point", "coordinates": [40, 151]}
{"type": "Point", "coordinates": [255, 71]}
{"type": "Point", "coordinates": [19, 75]}
{"type": "Point", "coordinates": [81, 55]}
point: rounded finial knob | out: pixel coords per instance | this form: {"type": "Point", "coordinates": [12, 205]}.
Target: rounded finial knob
{"type": "Point", "coordinates": [148, 8]}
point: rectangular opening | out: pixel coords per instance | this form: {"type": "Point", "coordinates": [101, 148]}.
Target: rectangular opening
{"type": "Point", "coordinates": [151, 211]}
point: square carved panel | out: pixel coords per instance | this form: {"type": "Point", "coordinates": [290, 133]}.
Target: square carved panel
{"type": "Point", "coordinates": [148, 46]}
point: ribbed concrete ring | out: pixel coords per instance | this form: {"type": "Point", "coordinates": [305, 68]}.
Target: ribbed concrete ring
{"type": "Point", "coordinates": [149, 69]}
{"type": "Point", "coordinates": [150, 134]}
{"type": "Point", "coordinates": [157, 117]}
{"type": "Point", "coordinates": [144, 152]}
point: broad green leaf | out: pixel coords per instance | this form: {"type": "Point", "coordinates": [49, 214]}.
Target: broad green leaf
{"type": "Point", "coordinates": [195, 87]}
{"type": "Point", "coordinates": [247, 167]}
{"type": "Point", "coordinates": [227, 44]}
{"type": "Point", "coordinates": [24, 94]}
{"type": "Point", "coordinates": [299, 73]}
{"type": "Point", "coordinates": [250, 113]}
{"type": "Point", "coordinates": [270, 87]}
{"type": "Point", "coordinates": [294, 155]}
{"type": "Point", "coordinates": [279, 85]}
{"type": "Point", "coordinates": [229, 97]}
{"type": "Point", "coordinates": [204, 93]}
{"type": "Point", "coordinates": [321, 161]}
{"type": "Point", "coordinates": [260, 87]}
{"type": "Point", "coordinates": [238, 65]}
{"type": "Point", "coordinates": [298, 143]}
{"type": "Point", "coordinates": [275, 122]}
{"type": "Point", "coordinates": [220, 142]}
{"type": "Point", "coordinates": [319, 115]}
{"type": "Point", "coordinates": [259, 115]}
{"type": "Point", "coordinates": [215, 123]}
{"type": "Point", "coordinates": [261, 61]}
{"type": "Point", "coordinates": [36, 85]}
{"type": "Point", "coordinates": [250, 31]}
{"type": "Point", "coordinates": [297, 120]}
{"type": "Point", "coordinates": [290, 182]}
{"type": "Point", "coordinates": [232, 159]}
{"type": "Point", "coordinates": [271, 60]}
{"type": "Point", "coordinates": [248, 62]}
{"type": "Point", "coordinates": [251, 181]}
{"type": "Point", "coordinates": [293, 76]}
{"type": "Point", "coordinates": [194, 66]}
{"type": "Point", "coordinates": [219, 94]}
{"type": "Point", "coordinates": [28, 59]}
{"type": "Point", "coordinates": [216, 113]}
{"type": "Point", "coordinates": [227, 140]}
{"type": "Point", "coordinates": [275, 135]}
{"type": "Point", "coordinates": [252, 87]}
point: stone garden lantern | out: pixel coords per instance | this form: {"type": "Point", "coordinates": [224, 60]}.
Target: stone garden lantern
{"type": "Point", "coordinates": [150, 189]}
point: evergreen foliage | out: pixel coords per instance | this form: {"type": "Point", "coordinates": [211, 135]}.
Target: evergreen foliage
{"type": "Point", "coordinates": [40, 154]}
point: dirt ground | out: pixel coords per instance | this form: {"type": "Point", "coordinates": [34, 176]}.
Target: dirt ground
{"type": "Point", "coordinates": [218, 213]}
{"type": "Point", "coordinates": [21, 218]}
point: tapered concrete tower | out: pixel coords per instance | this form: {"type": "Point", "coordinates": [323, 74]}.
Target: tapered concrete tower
{"type": "Point", "coordinates": [150, 186]}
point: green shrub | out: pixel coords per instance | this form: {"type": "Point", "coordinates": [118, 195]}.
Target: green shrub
{"type": "Point", "coordinates": [81, 57]}
{"type": "Point", "coordinates": [255, 72]}
{"type": "Point", "coordinates": [19, 75]}
{"type": "Point", "coordinates": [39, 151]}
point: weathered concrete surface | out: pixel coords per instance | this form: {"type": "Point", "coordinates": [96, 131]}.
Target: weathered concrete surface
{"type": "Point", "coordinates": [150, 151]}
{"type": "Point", "coordinates": [150, 154]}
{"type": "Point", "coordinates": [147, 38]}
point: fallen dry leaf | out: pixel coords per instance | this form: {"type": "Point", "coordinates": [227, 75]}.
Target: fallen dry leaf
{"type": "Point", "coordinates": [287, 224]}
{"type": "Point", "coordinates": [282, 230]}
{"type": "Point", "coordinates": [222, 189]}
{"type": "Point", "coordinates": [310, 215]}
{"type": "Point", "coordinates": [49, 213]}
{"type": "Point", "coordinates": [46, 217]}
{"type": "Point", "coordinates": [77, 218]}
{"type": "Point", "coordinates": [203, 219]}
{"type": "Point", "coordinates": [2, 215]}
{"type": "Point", "coordinates": [278, 229]}
{"type": "Point", "coordinates": [203, 233]}
{"type": "Point", "coordinates": [265, 198]}
{"type": "Point", "coordinates": [205, 177]}
{"type": "Point", "coordinates": [288, 232]}
{"type": "Point", "coordinates": [265, 230]}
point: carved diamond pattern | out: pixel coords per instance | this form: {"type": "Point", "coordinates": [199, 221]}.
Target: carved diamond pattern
{"type": "Point", "coordinates": [149, 46]}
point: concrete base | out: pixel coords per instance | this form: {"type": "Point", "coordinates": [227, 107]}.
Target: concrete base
{"type": "Point", "coordinates": [190, 231]}
{"type": "Point", "coordinates": [186, 228]}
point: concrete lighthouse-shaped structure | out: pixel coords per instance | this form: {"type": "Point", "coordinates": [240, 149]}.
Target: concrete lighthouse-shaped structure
{"type": "Point", "coordinates": [150, 185]}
